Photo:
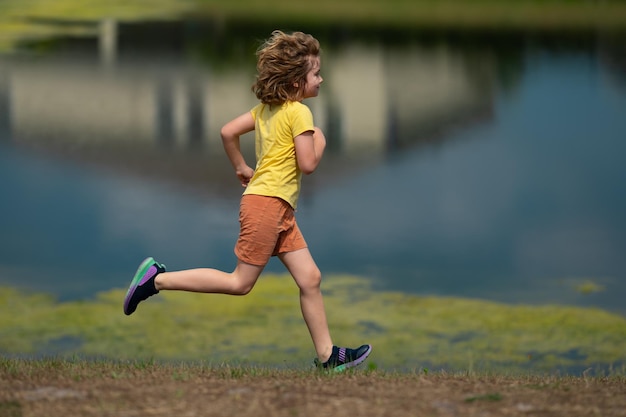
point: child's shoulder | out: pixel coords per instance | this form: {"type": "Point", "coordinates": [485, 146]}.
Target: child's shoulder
{"type": "Point", "coordinates": [296, 106]}
{"type": "Point", "coordinates": [288, 107]}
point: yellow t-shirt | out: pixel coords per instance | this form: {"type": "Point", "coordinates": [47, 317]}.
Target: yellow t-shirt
{"type": "Point", "coordinates": [277, 173]}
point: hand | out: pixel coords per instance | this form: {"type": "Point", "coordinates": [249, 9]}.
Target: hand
{"type": "Point", "coordinates": [244, 174]}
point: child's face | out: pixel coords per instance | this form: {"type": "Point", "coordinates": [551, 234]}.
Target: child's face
{"type": "Point", "coordinates": [313, 78]}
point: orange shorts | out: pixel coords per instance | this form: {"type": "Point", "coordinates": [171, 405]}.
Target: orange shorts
{"type": "Point", "coordinates": [267, 228]}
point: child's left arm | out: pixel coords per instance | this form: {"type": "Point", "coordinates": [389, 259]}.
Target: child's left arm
{"type": "Point", "coordinates": [309, 149]}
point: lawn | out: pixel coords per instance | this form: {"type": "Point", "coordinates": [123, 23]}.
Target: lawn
{"type": "Point", "coordinates": [60, 388]}
{"type": "Point", "coordinates": [26, 19]}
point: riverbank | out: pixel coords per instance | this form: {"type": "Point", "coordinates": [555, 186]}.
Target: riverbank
{"type": "Point", "coordinates": [408, 332]}
{"type": "Point", "coordinates": [58, 388]}
{"type": "Point", "coordinates": [443, 14]}
{"type": "Point", "coordinates": [22, 20]}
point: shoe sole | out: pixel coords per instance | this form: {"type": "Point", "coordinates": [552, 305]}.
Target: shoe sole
{"type": "Point", "coordinates": [354, 363]}
{"type": "Point", "coordinates": [141, 271]}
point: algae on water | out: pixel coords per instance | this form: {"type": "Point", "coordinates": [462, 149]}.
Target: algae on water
{"type": "Point", "coordinates": [266, 327]}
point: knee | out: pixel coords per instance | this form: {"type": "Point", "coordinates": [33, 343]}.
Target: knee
{"type": "Point", "coordinates": [242, 279]}
{"type": "Point", "coordinates": [312, 281]}
{"type": "Point", "coordinates": [240, 288]}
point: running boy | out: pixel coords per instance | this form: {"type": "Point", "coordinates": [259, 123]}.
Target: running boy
{"type": "Point", "coordinates": [287, 144]}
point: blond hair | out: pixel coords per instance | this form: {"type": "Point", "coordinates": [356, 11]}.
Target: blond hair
{"type": "Point", "coordinates": [283, 62]}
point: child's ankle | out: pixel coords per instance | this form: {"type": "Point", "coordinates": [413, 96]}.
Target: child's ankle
{"type": "Point", "coordinates": [157, 282]}
{"type": "Point", "coordinates": [325, 356]}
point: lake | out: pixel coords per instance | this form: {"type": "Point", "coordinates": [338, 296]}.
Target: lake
{"type": "Point", "coordinates": [481, 165]}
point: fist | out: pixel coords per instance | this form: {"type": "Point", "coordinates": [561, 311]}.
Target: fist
{"type": "Point", "coordinates": [245, 174]}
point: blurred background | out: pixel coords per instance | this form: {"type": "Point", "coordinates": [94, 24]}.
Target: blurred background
{"type": "Point", "coordinates": [475, 148]}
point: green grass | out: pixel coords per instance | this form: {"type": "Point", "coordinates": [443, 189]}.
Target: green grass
{"type": "Point", "coordinates": [77, 369]}
{"type": "Point", "coordinates": [523, 14]}
{"type": "Point", "coordinates": [485, 397]}
{"type": "Point", "coordinates": [407, 331]}
{"type": "Point", "coordinates": [24, 19]}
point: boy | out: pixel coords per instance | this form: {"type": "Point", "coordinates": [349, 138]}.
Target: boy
{"type": "Point", "coordinates": [287, 144]}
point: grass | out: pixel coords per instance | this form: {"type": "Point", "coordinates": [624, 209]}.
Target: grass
{"type": "Point", "coordinates": [521, 14]}
{"type": "Point", "coordinates": [194, 354]}
{"type": "Point", "coordinates": [60, 387]}
{"type": "Point", "coordinates": [26, 19]}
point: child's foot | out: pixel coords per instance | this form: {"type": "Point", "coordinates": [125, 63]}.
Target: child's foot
{"type": "Point", "coordinates": [142, 285]}
{"type": "Point", "coordinates": [344, 358]}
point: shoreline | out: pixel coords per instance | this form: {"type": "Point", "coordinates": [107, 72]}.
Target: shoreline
{"type": "Point", "coordinates": [75, 18]}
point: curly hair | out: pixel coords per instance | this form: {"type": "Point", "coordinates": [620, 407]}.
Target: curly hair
{"type": "Point", "coordinates": [283, 62]}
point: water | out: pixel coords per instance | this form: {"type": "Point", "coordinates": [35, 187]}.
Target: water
{"type": "Point", "coordinates": [463, 165]}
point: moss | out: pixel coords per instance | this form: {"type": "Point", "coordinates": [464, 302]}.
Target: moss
{"type": "Point", "coordinates": [407, 331]}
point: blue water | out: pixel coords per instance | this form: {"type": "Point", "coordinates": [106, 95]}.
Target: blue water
{"type": "Point", "coordinates": [520, 208]}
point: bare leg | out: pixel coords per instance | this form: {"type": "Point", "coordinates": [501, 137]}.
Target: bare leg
{"type": "Point", "coordinates": [207, 280]}
{"type": "Point", "coordinates": [307, 275]}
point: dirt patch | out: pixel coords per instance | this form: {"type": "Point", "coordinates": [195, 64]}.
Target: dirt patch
{"type": "Point", "coordinates": [67, 389]}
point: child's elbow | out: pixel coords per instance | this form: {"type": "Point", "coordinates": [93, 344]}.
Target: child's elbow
{"type": "Point", "coordinates": [225, 133]}
{"type": "Point", "coordinates": [229, 132]}
{"type": "Point", "coordinates": [307, 167]}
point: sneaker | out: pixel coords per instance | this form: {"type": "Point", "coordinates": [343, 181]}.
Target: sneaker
{"type": "Point", "coordinates": [142, 285]}
{"type": "Point", "coordinates": [344, 358]}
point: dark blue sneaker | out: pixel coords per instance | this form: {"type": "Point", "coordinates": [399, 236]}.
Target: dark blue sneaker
{"type": "Point", "coordinates": [142, 285]}
{"type": "Point", "coordinates": [344, 358]}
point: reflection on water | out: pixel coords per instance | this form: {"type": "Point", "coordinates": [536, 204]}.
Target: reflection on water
{"type": "Point", "coordinates": [454, 167]}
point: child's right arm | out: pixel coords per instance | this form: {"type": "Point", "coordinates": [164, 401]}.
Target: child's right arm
{"type": "Point", "coordinates": [230, 138]}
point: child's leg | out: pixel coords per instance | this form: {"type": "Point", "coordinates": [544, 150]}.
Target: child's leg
{"type": "Point", "coordinates": [307, 275]}
{"type": "Point", "coordinates": [207, 280]}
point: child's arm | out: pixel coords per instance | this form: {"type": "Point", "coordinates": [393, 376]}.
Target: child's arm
{"type": "Point", "coordinates": [230, 139]}
{"type": "Point", "coordinates": [310, 149]}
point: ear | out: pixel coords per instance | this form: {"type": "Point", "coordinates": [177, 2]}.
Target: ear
{"type": "Point", "coordinates": [295, 85]}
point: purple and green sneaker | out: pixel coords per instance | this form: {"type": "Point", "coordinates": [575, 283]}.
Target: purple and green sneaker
{"type": "Point", "coordinates": [142, 285]}
{"type": "Point", "coordinates": [344, 358]}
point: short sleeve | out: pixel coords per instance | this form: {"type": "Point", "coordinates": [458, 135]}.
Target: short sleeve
{"type": "Point", "coordinates": [302, 120]}
{"type": "Point", "coordinates": [255, 111]}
